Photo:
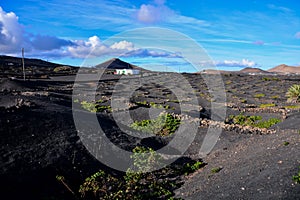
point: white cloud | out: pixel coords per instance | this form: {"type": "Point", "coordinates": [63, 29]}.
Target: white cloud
{"type": "Point", "coordinates": [148, 14]}
{"type": "Point", "coordinates": [11, 32]}
{"type": "Point", "coordinates": [153, 13]}
{"type": "Point", "coordinates": [93, 47]}
{"type": "Point", "coordinates": [297, 35]}
{"type": "Point", "coordinates": [123, 45]}
{"type": "Point", "coordinates": [248, 63]}
{"type": "Point", "coordinates": [234, 63]}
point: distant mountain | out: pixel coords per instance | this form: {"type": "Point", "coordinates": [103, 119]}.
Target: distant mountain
{"type": "Point", "coordinates": [116, 63]}
{"type": "Point", "coordinates": [254, 70]}
{"type": "Point", "coordinates": [285, 69]}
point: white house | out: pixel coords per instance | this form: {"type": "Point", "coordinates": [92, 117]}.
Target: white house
{"type": "Point", "coordinates": [127, 71]}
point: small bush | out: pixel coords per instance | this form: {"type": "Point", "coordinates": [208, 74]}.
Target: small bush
{"type": "Point", "coordinates": [286, 143]}
{"type": "Point", "coordinates": [189, 168]}
{"type": "Point", "coordinates": [141, 103]}
{"type": "Point", "coordinates": [244, 119]}
{"type": "Point", "coordinates": [216, 170]}
{"type": "Point", "coordinates": [164, 124]}
{"type": "Point", "coordinates": [145, 159]}
{"type": "Point", "coordinates": [254, 121]}
{"type": "Point", "coordinates": [94, 107]}
{"type": "Point", "coordinates": [137, 185]}
{"type": "Point", "coordinates": [292, 107]}
{"type": "Point", "coordinates": [260, 95]}
{"type": "Point", "coordinates": [293, 94]}
{"type": "Point", "coordinates": [243, 100]}
{"type": "Point", "coordinates": [270, 79]}
{"type": "Point", "coordinates": [228, 82]}
{"type": "Point", "coordinates": [159, 106]}
{"type": "Point", "coordinates": [267, 105]}
{"type": "Point", "coordinates": [89, 106]}
{"type": "Point", "coordinates": [268, 123]}
{"type": "Point", "coordinates": [296, 178]}
{"type": "Point", "coordinates": [275, 97]}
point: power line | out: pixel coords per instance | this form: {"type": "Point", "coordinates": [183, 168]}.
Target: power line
{"type": "Point", "coordinates": [23, 64]}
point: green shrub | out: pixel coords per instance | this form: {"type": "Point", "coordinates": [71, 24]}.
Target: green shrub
{"type": "Point", "coordinates": [286, 143]}
{"type": "Point", "coordinates": [141, 103]}
{"type": "Point", "coordinates": [244, 119]}
{"type": "Point", "coordinates": [296, 178]}
{"type": "Point", "coordinates": [270, 79]}
{"type": "Point", "coordinates": [275, 97]}
{"type": "Point", "coordinates": [266, 79]}
{"type": "Point", "coordinates": [189, 168]}
{"type": "Point", "coordinates": [154, 105]}
{"type": "Point", "coordinates": [293, 94]}
{"type": "Point", "coordinates": [267, 105]}
{"type": "Point", "coordinates": [99, 182]}
{"type": "Point", "coordinates": [164, 124]}
{"type": "Point", "coordinates": [94, 107]}
{"type": "Point", "coordinates": [268, 123]}
{"type": "Point", "coordinates": [144, 159]}
{"type": "Point", "coordinates": [259, 95]}
{"type": "Point", "coordinates": [254, 121]}
{"type": "Point", "coordinates": [89, 106]}
{"type": "Point", "coordinates": [137, 185]}
{"type": "Point", "coordinates": [243, 100]}
{"type": "Point", "coordinates": [292, 107]}
{"type": "Point", "coordinates": [103, 108]}
{"type": "Point", "coordinates": [174, 101]}
{"type": "Point", "coordinates": [228, 82]}
{"type": "Point", "coordinates": [216, 170]}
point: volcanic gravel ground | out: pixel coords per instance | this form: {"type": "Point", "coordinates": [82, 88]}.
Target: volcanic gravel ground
{"type": "Point", "coordinates": [39, 139]}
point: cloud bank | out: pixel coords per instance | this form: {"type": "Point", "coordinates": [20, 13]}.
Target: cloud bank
{"type": "Point", "coordinates": [45, 42]}
{"type": "Point", "coordinates": [233, 63]}
{"type": "Point", "coordinates": [93, 47]}
{"type": "Point", "coordinates": [13, 37]}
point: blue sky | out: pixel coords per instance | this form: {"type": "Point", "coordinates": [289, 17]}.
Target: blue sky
{"type": "Point", "coordinates": [234, 34]}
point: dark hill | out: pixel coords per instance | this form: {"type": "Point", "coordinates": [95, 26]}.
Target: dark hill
{"type": "Point", "coordinates": [17, 61]}
{"type": "Point", "coordinates": [116, 63]}
{"type": "Point", "coordinates": [34, 68]}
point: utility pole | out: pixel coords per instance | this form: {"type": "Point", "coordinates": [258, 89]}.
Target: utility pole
{"type": "Point", "coordinates": [23, 64]}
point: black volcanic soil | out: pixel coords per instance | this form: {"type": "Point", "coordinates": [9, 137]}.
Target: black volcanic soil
{"type": "Point", "coordinates": [39, 139]}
